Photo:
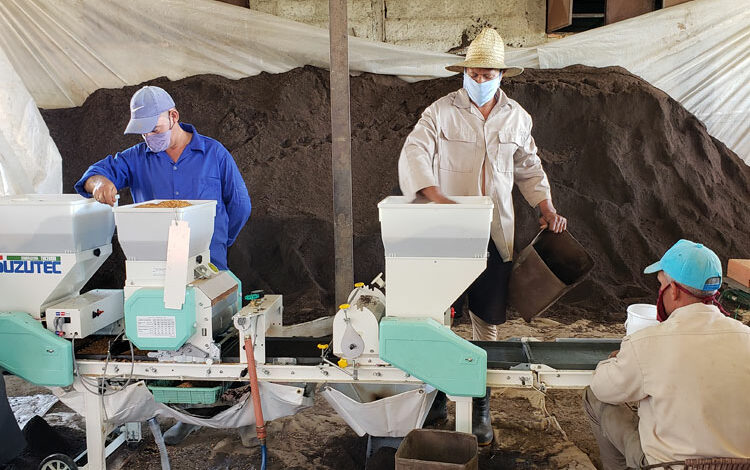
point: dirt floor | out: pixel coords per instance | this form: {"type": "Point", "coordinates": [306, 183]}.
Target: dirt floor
{"type": "Point", "coordinates": [317, 438]}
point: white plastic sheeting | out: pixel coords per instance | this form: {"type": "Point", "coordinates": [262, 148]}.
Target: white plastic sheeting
{"type": "Point", "coordinates": [63, 50]}
{"type": "Point", "coordinates": [386, 410]}
{"type": "Point", "coordinates": [25, 408]}
{"type": "Point", "coordinates": [697, 52]}
{"type": "Point", "coordinates": [29, 159]}
{"type": "Point", "coordinates": [136, 403]}
{"type": "Point", "coordinates": [66, 50]}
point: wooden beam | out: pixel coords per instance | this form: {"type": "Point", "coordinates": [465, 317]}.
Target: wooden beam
{"type": "Point", "coordinates": [341, 150]}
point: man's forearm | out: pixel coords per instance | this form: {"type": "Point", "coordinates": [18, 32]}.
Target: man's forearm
{"type": "Point", "coordinates": [546, 207]}
{"type": "Point", "coordinates": [92, 182]}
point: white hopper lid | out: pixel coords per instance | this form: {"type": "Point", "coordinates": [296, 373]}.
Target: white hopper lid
{"type": "Point", "coordinates": [143, 232]}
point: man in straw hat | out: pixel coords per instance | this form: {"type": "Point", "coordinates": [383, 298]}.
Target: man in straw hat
{"type": "Point", "coordinates": [476, 141]}
{"type": "Point", "coordinates": [689, 374]}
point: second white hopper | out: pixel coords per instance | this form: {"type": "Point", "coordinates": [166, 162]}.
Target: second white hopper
{"type": "Point", "coordinates": [433, 252]}
{"type": "Point", "coordinates": [143, 232]}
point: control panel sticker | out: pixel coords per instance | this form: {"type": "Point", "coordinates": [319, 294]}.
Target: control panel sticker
{"type": "Point", "coordinates": [156, 327]}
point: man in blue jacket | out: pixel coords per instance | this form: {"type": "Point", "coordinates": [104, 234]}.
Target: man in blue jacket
{"type": "Point", "coordinates": [174, 162]}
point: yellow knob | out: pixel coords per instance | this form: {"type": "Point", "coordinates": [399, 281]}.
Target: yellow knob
{"type": "Point", "coordinates": [322, 346]}
{"type": "Point", "coordinates": [343, 363]}
{"type": "Point", "coordinates": [344, 306]}
{"type": "Point", "coordinates": [359, 284]}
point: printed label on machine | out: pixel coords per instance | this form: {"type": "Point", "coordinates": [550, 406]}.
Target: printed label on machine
{"type": "Point", "coordinates": [24, 264]}
{"type": "Point", "coordinates": [156, 327]}
{"type": "Point", "coordinates": [159, 271]}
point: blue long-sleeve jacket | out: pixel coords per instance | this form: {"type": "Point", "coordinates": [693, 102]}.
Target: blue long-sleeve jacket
{"type": "Point", "coordinates": [205, 170]}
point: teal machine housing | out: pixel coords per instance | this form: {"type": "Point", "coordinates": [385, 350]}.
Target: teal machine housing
{"type": "Point", "coordinates": [34, 353]}
{"type": "Point", "coordinates": [434, 354]}
{"type": "Point", "coordinates": [167, 329]}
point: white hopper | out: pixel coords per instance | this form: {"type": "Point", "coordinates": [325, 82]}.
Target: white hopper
{"type": "Point", "coordinates": [143, 232]}
{"type": "Point", "coordinates": [50, 246]}
{"type": "Point", "coordinates": [433, 252]}
{"type": "Point", "coordinates": [383, 410]}
{"type": "Point", "coordinates": [53, 223]}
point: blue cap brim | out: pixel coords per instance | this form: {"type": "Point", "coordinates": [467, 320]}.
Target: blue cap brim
{"type": "Point", "coordinates": [654, 268]}
{"type": "Point", "coordinates": [142, 125]}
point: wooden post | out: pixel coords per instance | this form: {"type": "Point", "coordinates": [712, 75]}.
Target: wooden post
{"type": "Point", "coordinates": [341, 150]}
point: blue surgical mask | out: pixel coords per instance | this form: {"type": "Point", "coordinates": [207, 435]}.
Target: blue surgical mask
{"type": "Point", "coordinates": [158, 142]}
{"type": "Point", "coordinates": [481, 93]}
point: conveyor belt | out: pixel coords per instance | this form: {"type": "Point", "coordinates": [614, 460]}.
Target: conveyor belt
{"type": "Point", "coordinates": [563, 354]}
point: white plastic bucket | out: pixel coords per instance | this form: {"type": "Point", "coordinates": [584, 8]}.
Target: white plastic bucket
{"type": "Point", "coordinates": [640, 316]}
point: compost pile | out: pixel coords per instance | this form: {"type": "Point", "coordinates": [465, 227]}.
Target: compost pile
{"type": "Point", "coordinates": [631, 169]}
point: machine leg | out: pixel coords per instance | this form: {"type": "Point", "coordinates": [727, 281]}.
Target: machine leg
{"type": "Point", "coordinates": [96, 431]}
{"type": "Point", "coordinates": [463, 413]}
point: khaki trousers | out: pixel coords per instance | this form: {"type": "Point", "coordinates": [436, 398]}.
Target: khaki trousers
{"type": "Point", "coordinates": [481, 330]}
{"type": "Point", "coordinates": [616, 430]}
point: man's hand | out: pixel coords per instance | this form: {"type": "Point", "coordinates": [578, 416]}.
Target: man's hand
{"type": "Point", "coordinates": [433, 194]}
{"type": "Point", "coordinates": [550, 219]}
{"type": "Point", "coordinates": [613, 354]}
{"type": "Point", "coordinates": [102, 189]}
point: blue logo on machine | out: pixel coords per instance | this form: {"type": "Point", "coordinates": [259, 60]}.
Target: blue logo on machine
{"type": "Point", "coordinates": [30, 265]}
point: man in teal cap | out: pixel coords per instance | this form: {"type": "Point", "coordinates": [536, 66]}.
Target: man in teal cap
{"type": "Point", "coordinates": [689, 375]}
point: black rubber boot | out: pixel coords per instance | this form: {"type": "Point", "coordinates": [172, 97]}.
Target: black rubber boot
{"type": "Point", "coordinates": [438, 410]}
{"type": "Point", "coordinates": [481, 424]}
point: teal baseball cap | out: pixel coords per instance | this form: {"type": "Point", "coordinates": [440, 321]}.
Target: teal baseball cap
{"type": "Point", "coordinates": [146, 106]}
{"type": "Point", "coordinates": [690, 264]}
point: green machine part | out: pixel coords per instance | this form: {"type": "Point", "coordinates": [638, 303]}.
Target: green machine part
{"type": "Point", "coordinates": [32, 352]}
{"type": "Point", "coordinates": [434, 354]}
{"type": "Point", "coordinates": [151, 326]}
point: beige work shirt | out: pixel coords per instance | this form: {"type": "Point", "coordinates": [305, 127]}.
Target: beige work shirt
{"type": "Point", "coordinates": [454, 148]}
{"type": "Point", "coordinates": [691, 377]}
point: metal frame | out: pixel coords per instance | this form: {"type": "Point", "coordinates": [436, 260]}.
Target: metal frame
{"type": "Point", "coordinates": [546, 377]}
{"type": "Point", "coordinates": [537, 376]}
{"type": "Point", "coordinates": [285, 373]}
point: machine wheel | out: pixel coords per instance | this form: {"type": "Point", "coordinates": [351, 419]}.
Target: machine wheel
{"type": "Point", "coordinates": [58, 462]}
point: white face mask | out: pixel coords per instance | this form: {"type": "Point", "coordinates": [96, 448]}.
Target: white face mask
{"type": "Point", "coordinates": [481, 93]}
{"type": "Point", "coordinates": [159, 142]}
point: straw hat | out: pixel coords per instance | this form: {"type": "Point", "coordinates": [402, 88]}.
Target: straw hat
{"type": "Point", "coordinates": [486, 51]}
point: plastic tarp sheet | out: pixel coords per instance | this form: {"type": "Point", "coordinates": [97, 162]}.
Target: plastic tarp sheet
{"type": "Point", "coordinates": [136, 403]}
{"type": "Point", "coordinates": [697, 52]}
{"type": "Point", "coordinates": [63, 50]}
{"type": "Point", "coordinates": [381, 410]}
{"type": "Point", "coordinates": [25, 408]}
{"type": "Point", "coordinates": [29, 159]}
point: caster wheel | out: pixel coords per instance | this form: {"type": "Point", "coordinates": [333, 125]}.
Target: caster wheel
{"type": "Point", "coordinates": [58, 462]}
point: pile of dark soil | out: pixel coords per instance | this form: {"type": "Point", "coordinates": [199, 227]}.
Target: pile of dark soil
{"type": "Point", "coordinates": [631, 169]}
